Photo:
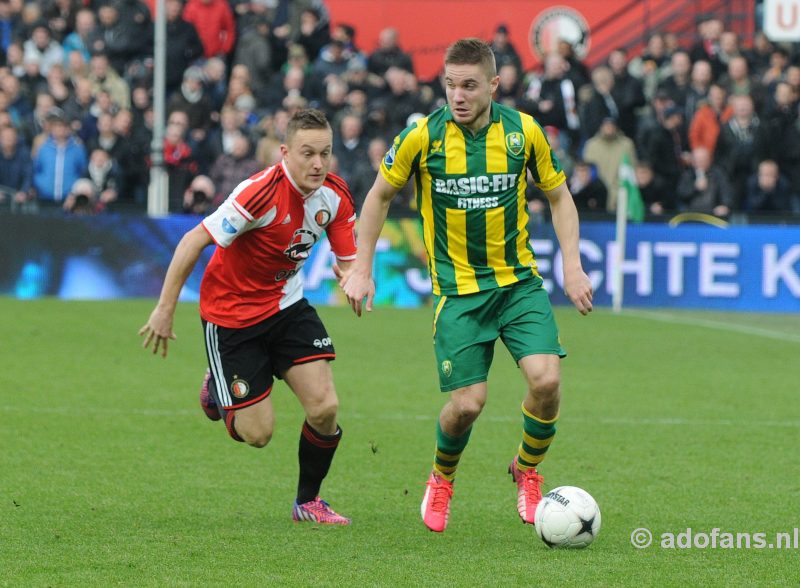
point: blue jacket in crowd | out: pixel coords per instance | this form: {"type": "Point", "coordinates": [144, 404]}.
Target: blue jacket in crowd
{"type": "Point", "coordinates": [56, 168]}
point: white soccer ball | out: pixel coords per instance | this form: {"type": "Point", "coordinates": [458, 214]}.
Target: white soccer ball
{"type": "Point", "coordinates": [567, 516]}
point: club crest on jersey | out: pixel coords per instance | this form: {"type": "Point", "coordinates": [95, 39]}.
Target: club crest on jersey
{"type": "Point", "coordinates": [322, 217]}
{"type": "Point", "coordinates": [447, 368]}
{"type": "Point", "coordinates": [302, 242]}
{"type": "Point", "coordinates": [240, 388]}
{"type": "Point", "coordinates": [515, 143]}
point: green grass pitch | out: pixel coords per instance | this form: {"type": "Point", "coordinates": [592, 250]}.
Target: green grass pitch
{"type": "Point", "coordinates": [111, 475]}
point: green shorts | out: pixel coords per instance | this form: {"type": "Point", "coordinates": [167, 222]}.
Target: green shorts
{"type": "Point", "coordinates": [465, 329]}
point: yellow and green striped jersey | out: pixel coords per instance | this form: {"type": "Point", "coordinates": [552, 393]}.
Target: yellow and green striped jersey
{"type": "Point", "coordinates": [470, 191]}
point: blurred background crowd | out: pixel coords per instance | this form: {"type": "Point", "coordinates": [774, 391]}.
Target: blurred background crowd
{"type": "Point", "coordinates": [711, 127]}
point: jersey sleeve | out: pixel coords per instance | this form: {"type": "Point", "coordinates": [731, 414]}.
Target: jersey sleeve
{"type": "Point", "coordinates": [250, 205]}
{"type": "Point", "coordinates": [543, 163]}
{"type": "Point", "coordinates": [342, 229]}
{"type": "Point", "coordinates": [228, 222]}
{"type": "Point", "coordinates": [398, 163]}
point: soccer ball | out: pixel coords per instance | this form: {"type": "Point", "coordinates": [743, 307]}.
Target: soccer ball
{"type": "Point", "coordinates": [567, 517]}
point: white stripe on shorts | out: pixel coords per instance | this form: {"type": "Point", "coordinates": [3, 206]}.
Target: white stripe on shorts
{"type": "Point", "coordinates": [215, 362]}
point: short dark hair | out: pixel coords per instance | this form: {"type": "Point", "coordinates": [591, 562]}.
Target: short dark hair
{"type": "Point", "coordinates": [349, 30]}
{"type": "Point", "coordinates": [472, 51]}
{"type": "Point", "coordinates": [307, 118]}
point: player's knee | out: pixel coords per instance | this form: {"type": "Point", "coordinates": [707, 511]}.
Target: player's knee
{"type": "Point", "coordinates": [255, 436]}
{"type": "Point", "coordinates": [258, 439]}
{"type": "Point", "coordinates": [468, 409]}
{"type": "Point", "coordinates": [323, 412]}
{"type": "Point", "coordinates": [546, 385]}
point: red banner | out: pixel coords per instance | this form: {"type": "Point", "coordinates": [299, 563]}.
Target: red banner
{"type": "Point", "coordinates": [595, 28]}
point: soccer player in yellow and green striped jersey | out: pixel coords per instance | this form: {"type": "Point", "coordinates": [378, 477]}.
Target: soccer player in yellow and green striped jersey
{"type": "Point", "coordinates": [470, 162]}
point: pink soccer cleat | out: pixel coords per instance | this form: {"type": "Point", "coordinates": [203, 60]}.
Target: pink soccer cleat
{"type": "Point", "coordinates": [435, 507]}
{"type": "Point", "coordinates": [206, 402]}
{"type": "Point", "coordinates": [529, 492]}
{"type": "Point", "coordinates": [317, 511]}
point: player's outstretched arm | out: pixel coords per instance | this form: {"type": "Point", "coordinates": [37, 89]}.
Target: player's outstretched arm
{"type": "Point", "coordinates": [356, 281]}
{"type": "Point", "coordinates": [158, 329]}
{"type": "Point", "coordinates": [565, 221]}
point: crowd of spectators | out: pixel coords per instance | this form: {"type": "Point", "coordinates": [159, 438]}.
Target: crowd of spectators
{"type": "Point", "coordinates": [711, 127]}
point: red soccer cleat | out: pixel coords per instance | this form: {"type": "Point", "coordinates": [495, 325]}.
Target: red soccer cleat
{"type": "Point", "coordinates": [435, 507]}
{"type": "Point", "coordinates": [529, 491]}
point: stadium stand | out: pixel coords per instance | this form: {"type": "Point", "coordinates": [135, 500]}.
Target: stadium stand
{"type": "Point", "coordinates": [713, 124]}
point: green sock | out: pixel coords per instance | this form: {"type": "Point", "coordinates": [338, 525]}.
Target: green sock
{"type": "Point", "coordinates": [448, 451]}
{"type": "Point", "coordinates": [537, 434]}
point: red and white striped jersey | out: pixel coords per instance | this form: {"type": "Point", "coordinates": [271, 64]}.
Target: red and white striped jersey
{"type": "Point", "coordinates": [264, 232]}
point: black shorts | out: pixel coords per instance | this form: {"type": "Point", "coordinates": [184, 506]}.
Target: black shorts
{"type": "Point", "coordinates": [244, 361]}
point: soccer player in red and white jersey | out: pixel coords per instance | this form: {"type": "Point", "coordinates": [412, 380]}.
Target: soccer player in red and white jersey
{"type": "Point", "coordinates": [257, 323]}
